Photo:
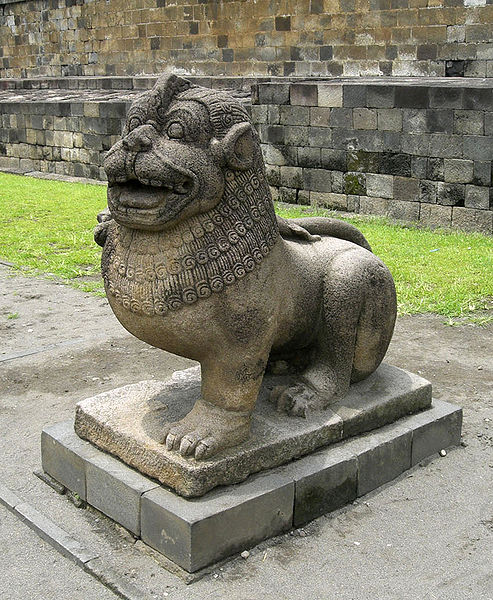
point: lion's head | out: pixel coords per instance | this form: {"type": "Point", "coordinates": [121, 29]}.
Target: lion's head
{"type": "Point", "coordinates": [179, 143]}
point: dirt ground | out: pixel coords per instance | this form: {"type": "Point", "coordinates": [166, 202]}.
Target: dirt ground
{"type": "Point", "coordinates": [427, 535]}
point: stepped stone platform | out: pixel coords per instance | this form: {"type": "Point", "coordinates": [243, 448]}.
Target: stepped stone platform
{"type": "Point", "coordinates": [195, 533]}
{"type": "Point", "coordinates": [128, 422]}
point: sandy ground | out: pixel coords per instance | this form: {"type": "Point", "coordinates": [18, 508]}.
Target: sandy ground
{"type": "Point", "coordinates": [428, 534]}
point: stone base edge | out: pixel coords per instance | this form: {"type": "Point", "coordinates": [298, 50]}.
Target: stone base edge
{"type": "Point", "coordinates": [197, 533]}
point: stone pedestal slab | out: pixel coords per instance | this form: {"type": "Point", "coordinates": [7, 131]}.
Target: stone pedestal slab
{"type": "Point", "coordinates": [128, 422]}
{"type": "Point", "coordinates": [194, 533]}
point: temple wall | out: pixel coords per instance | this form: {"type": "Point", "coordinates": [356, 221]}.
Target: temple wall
{"type": "Point", "coordinates": [41, 38]}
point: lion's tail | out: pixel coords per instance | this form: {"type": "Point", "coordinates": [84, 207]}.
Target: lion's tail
{"type": "Point", "coordinates": [325, 226]}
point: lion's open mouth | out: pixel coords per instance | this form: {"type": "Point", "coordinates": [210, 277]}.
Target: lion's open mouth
{"type": "Point", "coordinates": [146, 203]}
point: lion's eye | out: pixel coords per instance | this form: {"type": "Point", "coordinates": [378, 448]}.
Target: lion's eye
{"type": "Point", "coordinates": [176, 131]}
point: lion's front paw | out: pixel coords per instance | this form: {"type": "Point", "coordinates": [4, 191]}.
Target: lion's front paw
{"type": "Point", "coordinates": [205, 431]}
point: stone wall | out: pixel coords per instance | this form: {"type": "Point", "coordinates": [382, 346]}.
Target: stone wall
{"type": "Point", "coordinates": [416, 150]}
{"type": "Point", "coordinates": [65, 126]}
{"type": "Point", "coordinates": [242, 37]}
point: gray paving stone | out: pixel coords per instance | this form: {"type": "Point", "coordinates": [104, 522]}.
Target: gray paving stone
{"type": "Point", "coordinates": [116, 490]}
{"type": "Point", "coordinates": [434, 429]}
{"type": "Point", "coordinates": [195, 533]}
{"type": "Point", "coordinates": [8, 498]}
{"type": "Point", "coordinates": [54, 535]}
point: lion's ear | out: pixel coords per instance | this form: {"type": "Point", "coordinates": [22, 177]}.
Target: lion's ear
{"type": "Point", "coordinates": [238, 147]}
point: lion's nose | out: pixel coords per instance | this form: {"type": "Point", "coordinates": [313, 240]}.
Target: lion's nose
{"type": "Point", "coordinates": [140, 139]}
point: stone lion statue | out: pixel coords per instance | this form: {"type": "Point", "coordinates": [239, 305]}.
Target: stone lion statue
{"type": "Point", "coordinates": [195, 262]}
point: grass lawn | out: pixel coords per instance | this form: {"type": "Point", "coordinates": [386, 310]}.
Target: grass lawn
{"type": "Point", "coordinates": [46, 229]}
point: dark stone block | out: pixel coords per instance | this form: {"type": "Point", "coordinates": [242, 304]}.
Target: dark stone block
{"type": "Point", "coordinates": [482, 173]}
{"type": "Point", "coordinates": [439, 121]}
{"type": "Point", "coordinates": [228, 55]}
{"type": "Point", "coordinates": [412, 96]}
{"type": "Point", "coordinates": [310, 157]}
{"type": "Point", "coordinates": [288, 68]}
{"type": "Point", "coordinates": [326, 52]}
{"type": "Point", "coordinates": [325, 485]}
{"type": "Point", "coordinates": [283, 23]}
{"type": "Point", "coordinates": [295, 53]}
{"type": "Point", "coordinates": [155, 43]}
{"type": "Point", "coordinates": [455, 68]}
{"type": "Point", "coordinates": [478, 98]}
{"type": "Point", "coordinates": [451, 194]}
{"type": "Point", "coordinates": [341, 117]}
{"type": "Point", "coordinates": [273, 93]}
{"type": "Point", "coordinates": [160, 3]}
{"type": "Point", "coordinates": [194, 27]}
{"type": "Point", "coordinates": [381, 96]}
{"type": "Point", "coordinates": [316, 7]}
{"type": "Point", "coordinates": [395, 164]}
{"type": "Point", "coordinates": [434, 169]}
{"type": "Point", "coordinates": [446, 97]}
{"type": "Point", "coordinates": [333, 160]}
{"type": "Point", "coordinates": [354, 96]}
{"type": "Point", "coordinates": [366, 162]}
{"type": "Point", "coordinates": [427, 52]}
{"type": "Point", "coordinates": [478, 147]}
{"type": "Point", "coordinates": [427, 191]}
{"type": "Point", "coordinates": [355, 184]}
{"type": "Point", "coordinates": [304, 94]}
{"type": "Point", "coordinates": [222, 41]}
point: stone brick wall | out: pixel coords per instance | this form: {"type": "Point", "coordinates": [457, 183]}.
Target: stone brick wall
{"type": "Point", "coordinates": [46, 128]}
{"type": "Point", "coordinates": [246, 37]}
{"type": "Point", "coordinates": [415, 150]}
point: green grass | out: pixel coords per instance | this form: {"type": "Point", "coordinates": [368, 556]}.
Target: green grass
{"type": "Point", "coordinates": [46, 229]}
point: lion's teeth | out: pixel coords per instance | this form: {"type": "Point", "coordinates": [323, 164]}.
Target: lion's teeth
{"type": "Point", "coordinates": [155, 183]}
{"type": "Point", "coordinates": [145, 181]}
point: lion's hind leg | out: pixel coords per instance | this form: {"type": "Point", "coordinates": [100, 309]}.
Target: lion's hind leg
{"type": "Point", "coordinates": [359, 309]}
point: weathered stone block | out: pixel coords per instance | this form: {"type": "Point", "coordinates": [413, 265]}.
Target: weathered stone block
{"type": "Point", "coordinates": [324, 482]}
{"type": "Point", "coordinates": [434, 429]}
{"type": "Point", "coordinates": [406, 188]}
{"type": "Point", "coordinates": [402, 210]}
{"type": "Point", "coordinates": [309, 157]}
{"type": "Point", "coordinates": [388, 456]}
{"type": "Point", "coordinates": [373, 206]}
{"type": "Point", "coordinates": [334, 160]}
{"type": "Point", "coordinates": [451, 194]}
{"type": "Point", "coordinates": [121, 500]}
{"type": "Point", "coordinates": [389, 119]}
{"type": "Point", "coordinates": [64, 457]}
{"type": "Point", "coordinates": [379, 186]}
{"type": "Point", "coordinates": [195, 534]}
{"type": "Point", "coordinates": [472, 219]}
{"type": "Point", "coordinates": [469, 122]}
{"type": "Point", "coordinates": [319, 116]}
{"type": "Point", "coordinates": [477, 197]}
{"type": "Point", "coordinates": [305, 94]}
{"type": "Point", "coordinates": [317, 180]}
{"type": "Point", "coordinates": [294, 115]}
{"type": "Point", "coordinates": [328, 200]}
{"type": "Point", "coordinates": [364, 118]}
{"type": "Point", "coordinates": [273, 93]}
{"type": "Point", "coordinates": [292, 177]}
{"type": "Point", "coordinates": [434, 215]}
{"type": "Point", "coordinates": [427, 191]}
{"type": "Point", "coordinates": [478, 147]}
{"type": "Point", "coordinates": [457, 170]}
{"type": "Point", "coordinates": [330, 95]}
{"type": "Point", "coordinates": [355, 96]}
{"type": "Point", "coordinates": [381, 96]}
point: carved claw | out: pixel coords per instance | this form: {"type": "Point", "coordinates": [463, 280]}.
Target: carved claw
{"type": "Point", "coordinates": [294, 400]}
